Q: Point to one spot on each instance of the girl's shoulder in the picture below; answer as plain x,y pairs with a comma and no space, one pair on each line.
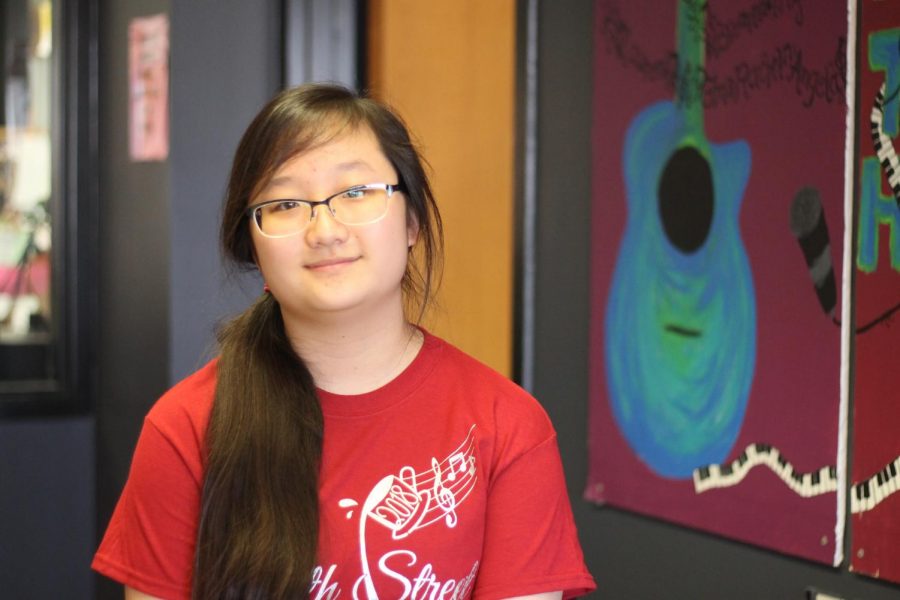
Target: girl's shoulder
476,372
512,408
186,406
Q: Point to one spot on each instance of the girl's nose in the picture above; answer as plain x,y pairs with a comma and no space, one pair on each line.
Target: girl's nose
324,228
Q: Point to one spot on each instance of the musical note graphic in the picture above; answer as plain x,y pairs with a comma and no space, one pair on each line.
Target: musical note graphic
410,500
415,500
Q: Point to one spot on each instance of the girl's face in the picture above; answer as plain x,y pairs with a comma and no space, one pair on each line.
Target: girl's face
330,267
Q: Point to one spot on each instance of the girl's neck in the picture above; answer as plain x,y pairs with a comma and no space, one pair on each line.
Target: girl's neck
354,356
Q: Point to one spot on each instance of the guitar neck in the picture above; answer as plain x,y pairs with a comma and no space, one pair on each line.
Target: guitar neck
691,42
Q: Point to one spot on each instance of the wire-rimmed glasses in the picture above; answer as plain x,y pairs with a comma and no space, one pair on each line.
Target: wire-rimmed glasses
358,205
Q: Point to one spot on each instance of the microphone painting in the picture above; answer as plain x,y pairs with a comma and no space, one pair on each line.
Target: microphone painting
808,226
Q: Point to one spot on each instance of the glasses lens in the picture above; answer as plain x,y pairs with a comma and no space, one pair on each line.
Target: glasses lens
360,205
282,218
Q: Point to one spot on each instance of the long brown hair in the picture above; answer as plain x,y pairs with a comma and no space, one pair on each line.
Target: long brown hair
259,514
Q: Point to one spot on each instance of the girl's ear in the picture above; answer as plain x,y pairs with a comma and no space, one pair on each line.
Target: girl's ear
412,229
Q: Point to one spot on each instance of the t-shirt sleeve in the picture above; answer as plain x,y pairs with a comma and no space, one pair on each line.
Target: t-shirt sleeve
531,544
149,544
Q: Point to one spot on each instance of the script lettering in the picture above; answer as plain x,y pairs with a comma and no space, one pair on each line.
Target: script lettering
322,588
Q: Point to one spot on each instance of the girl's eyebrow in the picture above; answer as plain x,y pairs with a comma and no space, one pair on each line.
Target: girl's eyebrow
350,165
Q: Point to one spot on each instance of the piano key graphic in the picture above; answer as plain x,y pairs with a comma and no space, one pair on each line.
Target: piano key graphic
884,146
814,483
868,494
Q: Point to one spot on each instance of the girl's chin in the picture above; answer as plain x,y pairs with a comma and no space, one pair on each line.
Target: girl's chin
327,306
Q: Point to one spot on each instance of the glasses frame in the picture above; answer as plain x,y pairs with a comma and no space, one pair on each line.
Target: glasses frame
254,214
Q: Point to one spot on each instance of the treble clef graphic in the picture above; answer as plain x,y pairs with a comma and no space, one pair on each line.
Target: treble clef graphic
442,495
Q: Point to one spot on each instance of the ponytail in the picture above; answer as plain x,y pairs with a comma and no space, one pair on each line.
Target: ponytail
259,516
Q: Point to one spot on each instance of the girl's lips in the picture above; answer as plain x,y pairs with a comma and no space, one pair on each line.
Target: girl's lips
330,263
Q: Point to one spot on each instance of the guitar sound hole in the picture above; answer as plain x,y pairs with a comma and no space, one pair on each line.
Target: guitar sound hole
686,199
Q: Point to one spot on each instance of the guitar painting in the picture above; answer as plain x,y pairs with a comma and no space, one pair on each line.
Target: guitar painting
716,362
680,321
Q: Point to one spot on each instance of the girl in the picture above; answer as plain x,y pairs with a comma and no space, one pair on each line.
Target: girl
334,449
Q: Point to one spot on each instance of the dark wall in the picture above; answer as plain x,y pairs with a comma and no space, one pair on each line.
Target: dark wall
226,64
161,284
631,557
133,273
46,508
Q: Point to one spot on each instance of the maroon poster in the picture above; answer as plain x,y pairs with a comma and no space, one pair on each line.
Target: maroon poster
875,507
717,227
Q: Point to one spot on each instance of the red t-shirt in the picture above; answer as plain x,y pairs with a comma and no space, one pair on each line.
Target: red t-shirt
445,483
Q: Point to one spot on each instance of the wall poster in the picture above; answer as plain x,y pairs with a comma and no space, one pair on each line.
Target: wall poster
148,78
718,196
874,503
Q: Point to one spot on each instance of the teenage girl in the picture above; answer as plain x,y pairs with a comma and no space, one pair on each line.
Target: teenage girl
335,449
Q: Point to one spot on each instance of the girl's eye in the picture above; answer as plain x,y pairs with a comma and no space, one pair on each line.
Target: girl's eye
355,194
285,205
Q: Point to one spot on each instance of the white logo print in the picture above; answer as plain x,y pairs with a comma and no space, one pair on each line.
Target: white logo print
404,503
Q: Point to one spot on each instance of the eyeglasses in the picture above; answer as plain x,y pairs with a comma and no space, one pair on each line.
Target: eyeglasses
359,205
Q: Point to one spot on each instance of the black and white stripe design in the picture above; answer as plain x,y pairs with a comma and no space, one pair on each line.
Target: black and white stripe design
864,496
867,494
821,481
884,146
